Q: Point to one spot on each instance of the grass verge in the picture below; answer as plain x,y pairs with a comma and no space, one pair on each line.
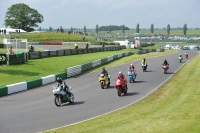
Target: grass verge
174,108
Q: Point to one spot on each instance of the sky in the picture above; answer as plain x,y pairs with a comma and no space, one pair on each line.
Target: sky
89,13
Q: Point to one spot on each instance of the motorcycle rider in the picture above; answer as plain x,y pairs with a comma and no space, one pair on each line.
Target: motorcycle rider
144,61
123,78
180,55
63,85
186,53
132,67
165,63
105,72
31,48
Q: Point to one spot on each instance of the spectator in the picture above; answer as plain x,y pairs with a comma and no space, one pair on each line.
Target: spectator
0,31
4,31
87,45
103,45
11,51
16,31
19,31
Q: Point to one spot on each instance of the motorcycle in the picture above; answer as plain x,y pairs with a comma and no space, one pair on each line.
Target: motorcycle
180,58
61,96
104,81
131,76
144,67
186,55
121,87
165,68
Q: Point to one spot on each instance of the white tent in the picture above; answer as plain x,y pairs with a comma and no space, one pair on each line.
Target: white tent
10,30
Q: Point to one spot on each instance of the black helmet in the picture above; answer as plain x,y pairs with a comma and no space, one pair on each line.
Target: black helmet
165,60
103,69
59,80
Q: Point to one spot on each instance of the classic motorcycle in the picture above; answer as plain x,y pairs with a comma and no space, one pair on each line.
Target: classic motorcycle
165,68
121,87
180,58
104,81
144,67
131,76
61,96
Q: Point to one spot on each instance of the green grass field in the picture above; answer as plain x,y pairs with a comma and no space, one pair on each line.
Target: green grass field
52,36
174,108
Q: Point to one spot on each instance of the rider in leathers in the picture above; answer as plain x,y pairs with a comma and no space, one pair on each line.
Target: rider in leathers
132,67
123,78
105,72
63,86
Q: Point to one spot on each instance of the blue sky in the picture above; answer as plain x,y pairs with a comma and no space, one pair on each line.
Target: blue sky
89,13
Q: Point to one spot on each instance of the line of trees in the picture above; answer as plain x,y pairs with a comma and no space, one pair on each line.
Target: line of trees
28,18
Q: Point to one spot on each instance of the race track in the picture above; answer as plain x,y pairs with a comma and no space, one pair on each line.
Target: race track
35,111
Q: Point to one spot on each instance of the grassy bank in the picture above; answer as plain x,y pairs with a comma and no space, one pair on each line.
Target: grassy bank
47,66
172,109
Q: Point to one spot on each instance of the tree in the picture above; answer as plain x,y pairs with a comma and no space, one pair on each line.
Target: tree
50,29
84,29
152,28
110,29
123,29
168,29
185,29
137,28
97,29
21,16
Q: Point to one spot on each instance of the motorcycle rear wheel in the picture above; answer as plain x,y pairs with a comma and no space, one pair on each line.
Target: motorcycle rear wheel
57,101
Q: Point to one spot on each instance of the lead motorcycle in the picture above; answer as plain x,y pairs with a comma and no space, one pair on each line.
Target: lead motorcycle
144,67
61,96
104,80
121,87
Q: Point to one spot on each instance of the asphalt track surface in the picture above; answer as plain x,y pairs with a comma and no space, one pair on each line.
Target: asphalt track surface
35,111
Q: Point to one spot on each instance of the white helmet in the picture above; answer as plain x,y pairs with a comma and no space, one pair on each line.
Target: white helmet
120,73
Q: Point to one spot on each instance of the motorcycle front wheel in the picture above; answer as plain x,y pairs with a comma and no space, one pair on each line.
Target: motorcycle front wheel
102,85
57,101
119,92
72,98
